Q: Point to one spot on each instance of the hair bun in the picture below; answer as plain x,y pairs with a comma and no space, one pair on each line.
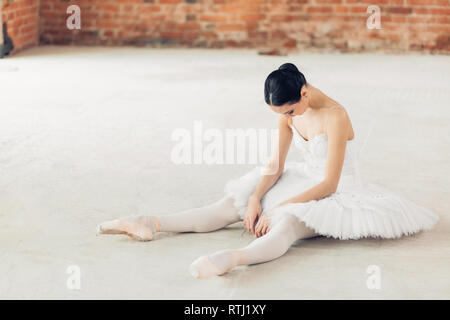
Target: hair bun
289,67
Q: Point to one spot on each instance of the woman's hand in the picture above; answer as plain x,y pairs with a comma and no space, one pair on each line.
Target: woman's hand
263,225
252,214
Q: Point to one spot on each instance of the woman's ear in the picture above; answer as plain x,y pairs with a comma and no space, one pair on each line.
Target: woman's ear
304,92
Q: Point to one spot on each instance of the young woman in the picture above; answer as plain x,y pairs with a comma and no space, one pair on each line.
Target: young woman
321,196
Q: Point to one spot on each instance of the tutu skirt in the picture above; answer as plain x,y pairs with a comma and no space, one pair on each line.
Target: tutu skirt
354,211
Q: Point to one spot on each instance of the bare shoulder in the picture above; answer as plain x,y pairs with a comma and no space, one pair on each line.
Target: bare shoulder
336,109
337,113
337,116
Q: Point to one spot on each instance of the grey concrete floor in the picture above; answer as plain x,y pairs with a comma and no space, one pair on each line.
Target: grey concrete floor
85,136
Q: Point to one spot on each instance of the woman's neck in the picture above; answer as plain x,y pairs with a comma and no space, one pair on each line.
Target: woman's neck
317,99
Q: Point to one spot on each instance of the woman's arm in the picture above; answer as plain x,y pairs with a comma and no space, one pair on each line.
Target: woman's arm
337,127
276,166
319,191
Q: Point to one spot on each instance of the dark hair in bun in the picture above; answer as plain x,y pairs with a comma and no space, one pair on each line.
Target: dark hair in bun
283,85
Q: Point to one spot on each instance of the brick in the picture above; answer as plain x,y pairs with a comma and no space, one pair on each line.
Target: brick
213,18
107,8
438,28
419,2
329,1
443,19
252,17
396,2
378,2
231,27
323,9
278,34
398,19
238,8
421,19
189,26
108,33
281,18
291,43
152,8
341,9
29,29
358,9
170,1
420,10
443,11
172,34
399,10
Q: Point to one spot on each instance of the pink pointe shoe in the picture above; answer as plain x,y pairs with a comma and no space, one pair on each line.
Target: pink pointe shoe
203,268
133,227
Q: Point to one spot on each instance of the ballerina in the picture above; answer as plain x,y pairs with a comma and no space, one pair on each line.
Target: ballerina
321,196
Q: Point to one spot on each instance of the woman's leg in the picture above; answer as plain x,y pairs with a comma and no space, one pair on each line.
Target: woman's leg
202,219
268,247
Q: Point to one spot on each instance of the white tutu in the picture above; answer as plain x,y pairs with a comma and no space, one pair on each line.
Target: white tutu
354,211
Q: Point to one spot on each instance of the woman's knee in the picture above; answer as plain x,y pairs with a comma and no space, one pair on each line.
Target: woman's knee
217,215
298,229
227,205
288,222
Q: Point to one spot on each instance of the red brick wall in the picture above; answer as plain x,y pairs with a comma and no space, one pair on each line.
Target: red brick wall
407,25
335,24
22,20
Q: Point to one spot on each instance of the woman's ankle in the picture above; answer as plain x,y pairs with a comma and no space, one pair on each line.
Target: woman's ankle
240,257
151,221
157,222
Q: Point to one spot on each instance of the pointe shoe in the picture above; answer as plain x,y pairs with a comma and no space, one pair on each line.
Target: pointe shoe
108,228
203,268
134,230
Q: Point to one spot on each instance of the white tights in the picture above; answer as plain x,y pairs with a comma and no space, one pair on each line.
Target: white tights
210,218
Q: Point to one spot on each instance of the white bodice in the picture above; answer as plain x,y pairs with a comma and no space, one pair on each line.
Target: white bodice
315,154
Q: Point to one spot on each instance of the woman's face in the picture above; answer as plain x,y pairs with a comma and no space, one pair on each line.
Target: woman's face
292,110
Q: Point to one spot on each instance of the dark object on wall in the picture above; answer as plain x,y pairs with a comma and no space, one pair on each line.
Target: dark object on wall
7,46
272,52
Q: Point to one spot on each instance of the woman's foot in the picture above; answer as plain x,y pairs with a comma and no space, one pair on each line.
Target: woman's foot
216,264
140,228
